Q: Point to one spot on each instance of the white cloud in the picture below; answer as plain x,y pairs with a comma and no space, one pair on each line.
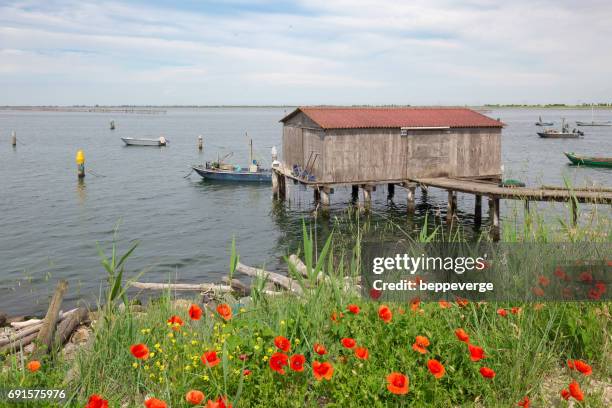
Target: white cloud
375,51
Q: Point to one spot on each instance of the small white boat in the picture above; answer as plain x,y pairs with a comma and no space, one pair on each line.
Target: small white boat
130,141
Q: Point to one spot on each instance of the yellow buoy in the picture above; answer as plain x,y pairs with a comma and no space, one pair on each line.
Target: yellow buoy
80,161
80,157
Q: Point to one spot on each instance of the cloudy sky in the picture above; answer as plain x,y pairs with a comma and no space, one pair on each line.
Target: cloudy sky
304,52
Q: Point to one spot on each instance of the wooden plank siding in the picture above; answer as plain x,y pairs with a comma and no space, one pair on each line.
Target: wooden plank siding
377,155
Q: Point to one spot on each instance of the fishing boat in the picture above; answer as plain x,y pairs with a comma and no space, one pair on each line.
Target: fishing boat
220,171
589,161
593,122
540,123
130,141
564,133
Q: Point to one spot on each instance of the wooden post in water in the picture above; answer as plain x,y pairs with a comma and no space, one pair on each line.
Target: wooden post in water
282,187
275,184
367,197
80,161
411,199
13,138
390,191
200,143
477,209
451,206
325,201
495,218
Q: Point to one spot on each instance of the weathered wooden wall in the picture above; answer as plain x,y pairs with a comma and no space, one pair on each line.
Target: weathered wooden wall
380,155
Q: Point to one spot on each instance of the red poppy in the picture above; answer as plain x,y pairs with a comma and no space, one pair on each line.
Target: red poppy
195,312
502,312
594,294
565,394
96,401
525,402
397,383
583,367
414,304
155,403
348,342
560,273
600,287
225,311
575,391
336,316
544,281
420,344
585,277
278,361
487,372
444,304
221,402
210,358
194,397
362,353
476,353
246,372
385,313
570,364
322,370
296,362
354,309
462,335
140,351
461,302
320,349
33,366
176,322
515,310
282,343
538,291
436,368
375,293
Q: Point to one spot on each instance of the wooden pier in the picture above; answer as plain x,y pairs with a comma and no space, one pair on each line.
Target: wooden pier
454,149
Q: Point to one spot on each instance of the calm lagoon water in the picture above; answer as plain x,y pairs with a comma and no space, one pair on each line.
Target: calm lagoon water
50,224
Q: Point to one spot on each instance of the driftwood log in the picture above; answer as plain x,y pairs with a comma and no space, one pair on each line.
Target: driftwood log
69,324
25,336
284,281
187,287
303,269
45,335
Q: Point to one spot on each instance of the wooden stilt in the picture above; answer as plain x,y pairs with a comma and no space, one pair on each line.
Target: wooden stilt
275,183
526,203
325,201
390,191
574,212
495,218
282,188
367,198
411,199
451,207
477,209
317,195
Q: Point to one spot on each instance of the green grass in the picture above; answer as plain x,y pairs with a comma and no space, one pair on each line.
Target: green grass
524,349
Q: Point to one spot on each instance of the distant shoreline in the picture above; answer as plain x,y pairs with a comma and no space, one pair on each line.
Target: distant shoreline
161,109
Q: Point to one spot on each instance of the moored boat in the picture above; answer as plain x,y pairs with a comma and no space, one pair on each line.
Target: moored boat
540,123
564,133
593,122
589,161
210,171
130,141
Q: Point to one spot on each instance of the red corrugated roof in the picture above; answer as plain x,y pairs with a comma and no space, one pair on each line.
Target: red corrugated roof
349,117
